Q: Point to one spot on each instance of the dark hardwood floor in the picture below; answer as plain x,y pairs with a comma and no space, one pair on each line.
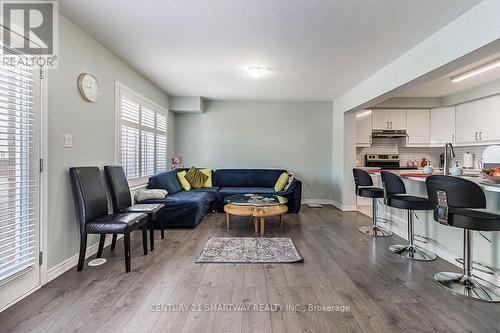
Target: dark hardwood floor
385,293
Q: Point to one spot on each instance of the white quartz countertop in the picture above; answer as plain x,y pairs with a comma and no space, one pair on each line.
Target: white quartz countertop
472,176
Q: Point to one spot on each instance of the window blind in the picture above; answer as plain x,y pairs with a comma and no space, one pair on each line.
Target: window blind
19,170
143,137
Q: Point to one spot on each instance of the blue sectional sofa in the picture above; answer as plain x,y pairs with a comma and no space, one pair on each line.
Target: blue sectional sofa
187,208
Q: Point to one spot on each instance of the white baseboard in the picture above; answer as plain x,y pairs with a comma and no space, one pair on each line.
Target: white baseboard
72,261
345,208
443,254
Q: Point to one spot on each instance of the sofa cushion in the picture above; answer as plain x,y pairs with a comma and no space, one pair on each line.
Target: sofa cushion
184,182
210,190
246,177
227,191
196,178
281,182
167,181
208,173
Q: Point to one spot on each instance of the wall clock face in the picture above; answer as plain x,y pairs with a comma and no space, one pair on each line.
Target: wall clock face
89,87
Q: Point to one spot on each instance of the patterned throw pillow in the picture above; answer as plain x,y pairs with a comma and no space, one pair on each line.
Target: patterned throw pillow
196,178
143,195
289,183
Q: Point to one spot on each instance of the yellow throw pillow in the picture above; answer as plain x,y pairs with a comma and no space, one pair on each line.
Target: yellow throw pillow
281,182
208,173
182,179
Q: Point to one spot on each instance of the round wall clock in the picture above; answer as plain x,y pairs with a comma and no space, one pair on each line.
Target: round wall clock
89,87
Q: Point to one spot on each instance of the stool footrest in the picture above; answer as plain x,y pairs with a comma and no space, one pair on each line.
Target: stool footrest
412,252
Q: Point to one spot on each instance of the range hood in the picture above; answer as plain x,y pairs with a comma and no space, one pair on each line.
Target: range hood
389,134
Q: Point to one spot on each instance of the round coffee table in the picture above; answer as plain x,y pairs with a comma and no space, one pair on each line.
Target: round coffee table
256,206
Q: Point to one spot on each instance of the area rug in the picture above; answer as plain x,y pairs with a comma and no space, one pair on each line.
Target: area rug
249,250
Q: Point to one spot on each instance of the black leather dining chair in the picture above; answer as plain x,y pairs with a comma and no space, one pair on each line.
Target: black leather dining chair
92,205
364,188
461,203
122,202
395,196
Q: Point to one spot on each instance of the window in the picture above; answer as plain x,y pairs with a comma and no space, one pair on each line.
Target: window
19,170
142,135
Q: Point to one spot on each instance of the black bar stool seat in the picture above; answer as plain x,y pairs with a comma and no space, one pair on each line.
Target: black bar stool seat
395,196
461,203
472,219
370,192
410,202
365,188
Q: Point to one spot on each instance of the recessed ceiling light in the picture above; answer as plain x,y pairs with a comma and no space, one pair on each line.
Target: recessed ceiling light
255,71
476,71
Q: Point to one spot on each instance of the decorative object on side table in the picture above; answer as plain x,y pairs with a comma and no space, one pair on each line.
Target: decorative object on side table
177,162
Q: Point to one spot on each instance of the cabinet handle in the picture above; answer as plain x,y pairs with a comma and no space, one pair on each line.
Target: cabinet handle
476,136
480,136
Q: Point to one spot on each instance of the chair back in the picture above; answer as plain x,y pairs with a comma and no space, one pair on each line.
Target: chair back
460,193
90,194
392,184
118,187
361,178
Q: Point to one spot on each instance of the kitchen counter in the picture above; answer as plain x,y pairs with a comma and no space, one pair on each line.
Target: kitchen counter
443,240
472,176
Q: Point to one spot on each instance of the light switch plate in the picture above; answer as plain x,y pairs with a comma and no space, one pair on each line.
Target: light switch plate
68,140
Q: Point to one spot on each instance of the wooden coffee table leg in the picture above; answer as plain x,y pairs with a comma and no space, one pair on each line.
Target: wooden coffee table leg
281,220
256,223
227,220
262,223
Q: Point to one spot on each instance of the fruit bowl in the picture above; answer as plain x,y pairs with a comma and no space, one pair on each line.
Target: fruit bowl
492,175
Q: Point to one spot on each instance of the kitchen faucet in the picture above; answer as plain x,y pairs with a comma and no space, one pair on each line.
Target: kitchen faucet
449,153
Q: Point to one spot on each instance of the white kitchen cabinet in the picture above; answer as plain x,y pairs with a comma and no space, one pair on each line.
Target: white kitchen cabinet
364,128
380,119
477,121
490,129
397,119
387,119
418,127
442,125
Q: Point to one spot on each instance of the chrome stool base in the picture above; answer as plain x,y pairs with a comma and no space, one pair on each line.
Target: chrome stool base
412,252
375,231
471,287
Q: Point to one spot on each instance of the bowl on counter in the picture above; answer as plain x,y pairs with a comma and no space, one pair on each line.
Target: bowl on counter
492,175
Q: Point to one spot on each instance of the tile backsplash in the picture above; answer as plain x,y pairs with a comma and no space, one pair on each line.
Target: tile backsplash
398,146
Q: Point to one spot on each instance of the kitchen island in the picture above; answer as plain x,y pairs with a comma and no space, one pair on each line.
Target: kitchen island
446,242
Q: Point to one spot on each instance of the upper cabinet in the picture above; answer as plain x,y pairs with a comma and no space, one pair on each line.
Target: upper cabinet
389,119
418,127
477,121
442,125
364,128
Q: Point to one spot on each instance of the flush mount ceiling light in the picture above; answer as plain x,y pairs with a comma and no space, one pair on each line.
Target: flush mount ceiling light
476,71
255,71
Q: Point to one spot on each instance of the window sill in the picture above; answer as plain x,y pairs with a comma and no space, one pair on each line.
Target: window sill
138,183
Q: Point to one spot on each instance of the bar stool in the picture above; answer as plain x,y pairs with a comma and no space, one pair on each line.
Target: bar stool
395,196
365,188
461,204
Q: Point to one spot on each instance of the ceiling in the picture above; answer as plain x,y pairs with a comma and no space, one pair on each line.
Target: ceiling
313,49
443,86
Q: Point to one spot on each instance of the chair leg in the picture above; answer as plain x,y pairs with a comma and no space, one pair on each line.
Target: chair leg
465,284
411,251
102,239
83,249
126,245
374,230
145,239
152,234
113,242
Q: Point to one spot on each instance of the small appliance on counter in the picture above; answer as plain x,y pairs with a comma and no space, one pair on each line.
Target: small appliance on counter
468,161
386,161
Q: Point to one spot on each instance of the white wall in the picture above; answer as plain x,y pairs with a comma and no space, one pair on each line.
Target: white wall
92,126
291,135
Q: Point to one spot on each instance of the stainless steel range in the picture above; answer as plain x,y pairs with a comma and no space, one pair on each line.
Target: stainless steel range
384,161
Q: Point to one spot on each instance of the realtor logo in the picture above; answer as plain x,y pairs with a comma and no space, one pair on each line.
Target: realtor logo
29,31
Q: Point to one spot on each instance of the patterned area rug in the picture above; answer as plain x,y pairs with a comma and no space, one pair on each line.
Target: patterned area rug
249,250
